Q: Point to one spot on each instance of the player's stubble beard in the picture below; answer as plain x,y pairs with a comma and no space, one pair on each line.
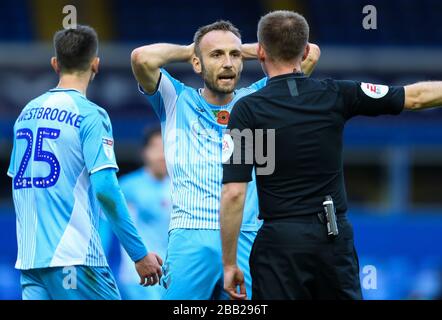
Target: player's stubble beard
210,80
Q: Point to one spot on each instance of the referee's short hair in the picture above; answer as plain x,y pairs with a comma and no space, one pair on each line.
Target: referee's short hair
283,35
220,25
75,48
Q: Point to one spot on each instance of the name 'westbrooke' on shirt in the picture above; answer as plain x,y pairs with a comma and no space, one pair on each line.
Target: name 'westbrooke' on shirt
53,114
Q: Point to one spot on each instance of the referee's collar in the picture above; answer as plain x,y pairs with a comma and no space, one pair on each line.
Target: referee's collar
287,75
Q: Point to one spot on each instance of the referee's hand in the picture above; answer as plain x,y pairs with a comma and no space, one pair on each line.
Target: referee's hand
149,269
234,277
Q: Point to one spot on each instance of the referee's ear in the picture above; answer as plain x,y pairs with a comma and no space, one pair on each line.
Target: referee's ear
306,51
261,53
95,64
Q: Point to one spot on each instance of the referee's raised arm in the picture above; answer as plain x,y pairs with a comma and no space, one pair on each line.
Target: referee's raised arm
423,95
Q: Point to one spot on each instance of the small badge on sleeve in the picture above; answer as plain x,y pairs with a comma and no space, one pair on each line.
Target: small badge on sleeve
108,147
375,91
228,147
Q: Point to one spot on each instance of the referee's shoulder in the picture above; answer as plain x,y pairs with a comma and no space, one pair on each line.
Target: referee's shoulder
328,84
245,104
322,84
253,96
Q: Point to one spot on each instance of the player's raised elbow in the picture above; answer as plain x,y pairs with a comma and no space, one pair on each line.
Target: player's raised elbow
138,57
145,66
142,57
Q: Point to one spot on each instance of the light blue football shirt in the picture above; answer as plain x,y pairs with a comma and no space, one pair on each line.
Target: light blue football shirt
60,138
193,131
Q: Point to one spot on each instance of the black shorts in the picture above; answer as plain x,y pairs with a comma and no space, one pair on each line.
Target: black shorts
293,258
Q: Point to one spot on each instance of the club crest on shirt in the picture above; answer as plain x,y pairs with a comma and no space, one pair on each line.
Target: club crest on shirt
108,147
375,91
201,128
198,128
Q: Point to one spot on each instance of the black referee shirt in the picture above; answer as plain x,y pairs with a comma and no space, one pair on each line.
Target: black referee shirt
308,116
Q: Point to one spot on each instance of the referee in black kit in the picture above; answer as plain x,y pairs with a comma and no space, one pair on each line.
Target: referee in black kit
304,249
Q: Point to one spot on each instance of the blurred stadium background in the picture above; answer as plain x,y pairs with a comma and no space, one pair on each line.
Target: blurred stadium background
393,165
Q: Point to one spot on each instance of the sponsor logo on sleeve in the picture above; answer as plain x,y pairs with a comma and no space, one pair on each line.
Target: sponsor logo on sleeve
375,91
108,147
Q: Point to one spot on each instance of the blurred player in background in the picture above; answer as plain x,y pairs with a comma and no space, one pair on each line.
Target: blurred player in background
147,192
193,122
63,169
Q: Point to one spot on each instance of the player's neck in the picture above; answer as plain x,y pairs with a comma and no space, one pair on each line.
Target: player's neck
216,98
74,81
276,69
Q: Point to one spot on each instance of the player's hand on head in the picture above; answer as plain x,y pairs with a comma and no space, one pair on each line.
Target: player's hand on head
249,51
149,269
234,277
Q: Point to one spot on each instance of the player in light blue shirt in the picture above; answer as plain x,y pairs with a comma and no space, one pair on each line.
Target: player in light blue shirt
193,123
63,173
147,192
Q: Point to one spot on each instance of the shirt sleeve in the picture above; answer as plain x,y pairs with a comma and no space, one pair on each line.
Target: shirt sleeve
238,159
368,99
258,84
163,100
97,142
112,201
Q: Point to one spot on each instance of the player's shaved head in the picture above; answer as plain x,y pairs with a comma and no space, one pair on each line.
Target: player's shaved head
283,35
220,25
75,48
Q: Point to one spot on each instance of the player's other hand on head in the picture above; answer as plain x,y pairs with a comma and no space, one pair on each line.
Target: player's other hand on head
314,53
149,269
234,277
